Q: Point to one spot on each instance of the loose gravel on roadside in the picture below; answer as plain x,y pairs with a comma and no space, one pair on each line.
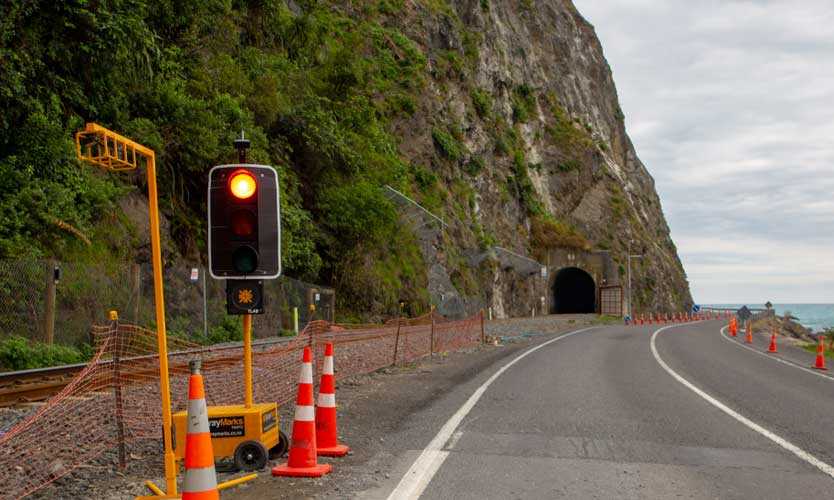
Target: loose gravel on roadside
372,407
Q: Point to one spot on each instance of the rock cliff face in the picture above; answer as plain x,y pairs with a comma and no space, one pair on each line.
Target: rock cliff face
520,122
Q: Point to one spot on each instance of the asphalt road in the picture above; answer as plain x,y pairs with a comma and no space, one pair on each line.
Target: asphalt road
596,415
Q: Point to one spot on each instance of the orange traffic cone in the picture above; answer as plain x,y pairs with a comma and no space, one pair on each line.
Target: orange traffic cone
749,337
327,441
200,480
732,328
772,347
820,362
302,457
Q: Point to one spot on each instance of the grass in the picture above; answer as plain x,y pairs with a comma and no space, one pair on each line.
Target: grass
812,348
607,319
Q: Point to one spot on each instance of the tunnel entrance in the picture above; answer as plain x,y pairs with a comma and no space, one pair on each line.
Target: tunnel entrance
574,292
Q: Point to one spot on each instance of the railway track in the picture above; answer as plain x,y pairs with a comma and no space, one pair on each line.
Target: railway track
39,384
29,386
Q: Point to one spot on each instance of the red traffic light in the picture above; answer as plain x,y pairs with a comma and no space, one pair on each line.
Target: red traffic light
242,184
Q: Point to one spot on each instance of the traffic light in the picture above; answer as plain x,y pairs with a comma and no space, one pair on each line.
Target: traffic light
244,222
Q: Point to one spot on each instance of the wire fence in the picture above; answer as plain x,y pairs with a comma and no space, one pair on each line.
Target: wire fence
43,300
112,407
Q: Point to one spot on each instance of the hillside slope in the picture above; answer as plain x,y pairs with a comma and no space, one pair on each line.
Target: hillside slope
499,117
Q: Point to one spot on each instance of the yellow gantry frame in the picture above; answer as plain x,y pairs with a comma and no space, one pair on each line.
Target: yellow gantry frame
105,148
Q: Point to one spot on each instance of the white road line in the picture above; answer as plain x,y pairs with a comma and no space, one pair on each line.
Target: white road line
418,476
784,443
818,373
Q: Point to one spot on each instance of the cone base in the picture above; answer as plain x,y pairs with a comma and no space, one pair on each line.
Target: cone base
314,471
339,450
818,367
772,352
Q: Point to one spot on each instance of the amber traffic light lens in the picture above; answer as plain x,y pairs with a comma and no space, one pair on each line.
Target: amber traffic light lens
242,185
243,223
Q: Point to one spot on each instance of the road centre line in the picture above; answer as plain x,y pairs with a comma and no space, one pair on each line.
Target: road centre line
784,443
774,358
421,472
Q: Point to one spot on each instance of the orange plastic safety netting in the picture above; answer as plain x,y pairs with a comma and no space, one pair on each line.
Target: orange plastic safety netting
114,402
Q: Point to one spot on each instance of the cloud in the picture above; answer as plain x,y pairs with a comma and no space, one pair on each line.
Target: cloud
729,104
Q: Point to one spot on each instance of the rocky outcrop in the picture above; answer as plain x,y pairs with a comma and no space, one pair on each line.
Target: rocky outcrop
521,123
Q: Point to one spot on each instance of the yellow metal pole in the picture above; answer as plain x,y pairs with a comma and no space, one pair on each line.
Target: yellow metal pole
161,335
247,360
236,481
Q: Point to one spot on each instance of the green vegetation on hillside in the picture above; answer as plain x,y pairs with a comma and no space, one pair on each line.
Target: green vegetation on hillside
313,89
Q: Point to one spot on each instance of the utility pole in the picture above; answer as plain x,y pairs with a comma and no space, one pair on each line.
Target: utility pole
628,265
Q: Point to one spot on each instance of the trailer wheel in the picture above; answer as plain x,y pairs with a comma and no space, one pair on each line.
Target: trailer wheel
279,449
250,456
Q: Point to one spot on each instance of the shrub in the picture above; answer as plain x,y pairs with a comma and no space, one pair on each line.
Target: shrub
230,330
547,232
523,102
355,212
526,192
448,145
568,166
18,353
482,101
474,166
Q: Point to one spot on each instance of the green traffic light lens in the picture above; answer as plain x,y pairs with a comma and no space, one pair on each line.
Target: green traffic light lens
245,260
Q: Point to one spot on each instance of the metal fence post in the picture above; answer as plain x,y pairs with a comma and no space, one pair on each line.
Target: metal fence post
49,312
295,320
399,324
310,318
116,340
431,342
205,303
483,331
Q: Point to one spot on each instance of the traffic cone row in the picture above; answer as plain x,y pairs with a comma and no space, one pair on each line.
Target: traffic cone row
668,318
314,429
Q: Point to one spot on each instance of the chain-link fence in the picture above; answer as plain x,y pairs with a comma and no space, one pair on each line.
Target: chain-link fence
57,302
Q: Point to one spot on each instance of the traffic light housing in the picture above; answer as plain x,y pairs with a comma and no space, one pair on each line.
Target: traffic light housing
244,222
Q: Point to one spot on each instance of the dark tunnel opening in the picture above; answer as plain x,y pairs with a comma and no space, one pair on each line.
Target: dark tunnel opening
574,292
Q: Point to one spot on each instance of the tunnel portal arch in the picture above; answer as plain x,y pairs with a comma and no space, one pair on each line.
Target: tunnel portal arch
574,292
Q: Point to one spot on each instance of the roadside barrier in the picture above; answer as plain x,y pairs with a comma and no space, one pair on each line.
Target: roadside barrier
327,436
200,479
302,461
112,405
819,364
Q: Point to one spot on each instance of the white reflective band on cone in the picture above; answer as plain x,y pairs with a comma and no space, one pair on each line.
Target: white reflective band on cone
197,480
305,413
327,400
327,369
197,416
306,373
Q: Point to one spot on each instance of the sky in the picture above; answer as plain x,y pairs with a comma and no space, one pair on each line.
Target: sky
730,105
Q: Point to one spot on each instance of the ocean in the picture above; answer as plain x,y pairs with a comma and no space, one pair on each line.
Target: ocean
817,317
